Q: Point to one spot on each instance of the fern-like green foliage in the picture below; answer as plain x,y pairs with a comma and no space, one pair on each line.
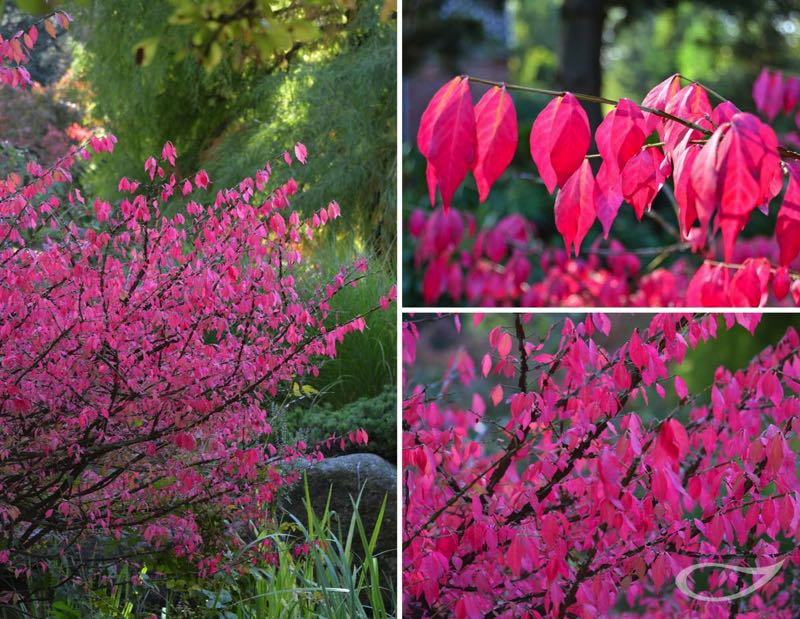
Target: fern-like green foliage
339,100
376,415
364,362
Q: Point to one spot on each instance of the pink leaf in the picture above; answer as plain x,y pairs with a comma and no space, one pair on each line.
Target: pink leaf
781,283
504,345
734,173
609,196
621,135
496,394
680,388
642,179
575,209
787,228
300,152
672,442
486,365
657,99
750,284
775,453
496,121
453,142
560,140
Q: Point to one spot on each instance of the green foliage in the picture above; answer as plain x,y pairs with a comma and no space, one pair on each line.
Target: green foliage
722,44
254,29
342,107
377,415
365,362
171,98
339,100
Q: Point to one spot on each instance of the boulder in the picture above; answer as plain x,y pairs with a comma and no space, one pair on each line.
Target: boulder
347,475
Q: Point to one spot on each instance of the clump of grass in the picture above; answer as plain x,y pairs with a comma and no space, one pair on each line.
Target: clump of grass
328,581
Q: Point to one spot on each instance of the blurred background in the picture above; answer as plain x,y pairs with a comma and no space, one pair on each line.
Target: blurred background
233,85
440,343
615,48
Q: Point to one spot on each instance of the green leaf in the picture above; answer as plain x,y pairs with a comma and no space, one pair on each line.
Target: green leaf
163,483
62,610
213,57
279,37
304,31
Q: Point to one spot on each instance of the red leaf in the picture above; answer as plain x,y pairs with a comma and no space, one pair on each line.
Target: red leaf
435,281
680,388
723,113
504,345
609,196
453,142
683,157
750,284
575,207
432,112
551,532
673,441
425,131
775,453
33,35
780,283
486,365
560,140
791,94
601,323
768,93
642,178
430,178
657,99
734,173
515,554
716,530
496,394
787,228
689,103
760,87
708,287
496,121
621,134
658,571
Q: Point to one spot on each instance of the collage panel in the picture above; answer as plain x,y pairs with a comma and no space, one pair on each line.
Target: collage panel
198,317
600,465
573,153
302,319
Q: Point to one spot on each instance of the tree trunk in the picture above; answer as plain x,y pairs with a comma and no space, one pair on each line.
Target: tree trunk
581,43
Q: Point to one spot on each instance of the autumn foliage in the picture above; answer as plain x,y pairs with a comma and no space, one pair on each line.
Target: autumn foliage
721,165
551,494
143,340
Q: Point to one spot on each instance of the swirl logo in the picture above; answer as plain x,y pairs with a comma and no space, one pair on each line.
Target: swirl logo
767,573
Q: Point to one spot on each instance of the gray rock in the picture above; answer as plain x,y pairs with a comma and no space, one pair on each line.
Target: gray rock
347,475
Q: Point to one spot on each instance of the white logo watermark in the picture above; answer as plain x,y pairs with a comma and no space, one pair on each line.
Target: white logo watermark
767,573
